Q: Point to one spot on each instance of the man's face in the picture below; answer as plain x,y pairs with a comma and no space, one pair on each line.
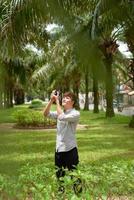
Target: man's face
67,102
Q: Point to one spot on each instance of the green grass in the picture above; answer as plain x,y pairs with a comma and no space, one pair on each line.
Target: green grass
20,147
105,142
87,117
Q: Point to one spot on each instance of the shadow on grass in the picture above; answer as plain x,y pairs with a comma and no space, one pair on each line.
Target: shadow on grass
114,158
17,150
12,167
107,143
34,147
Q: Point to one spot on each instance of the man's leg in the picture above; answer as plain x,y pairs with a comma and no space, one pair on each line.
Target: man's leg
72,160
60,172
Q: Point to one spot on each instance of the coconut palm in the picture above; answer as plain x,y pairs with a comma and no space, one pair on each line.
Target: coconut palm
59,67
102,29
35,14
108,16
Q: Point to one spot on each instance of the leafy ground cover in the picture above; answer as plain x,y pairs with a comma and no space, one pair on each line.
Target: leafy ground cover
106,150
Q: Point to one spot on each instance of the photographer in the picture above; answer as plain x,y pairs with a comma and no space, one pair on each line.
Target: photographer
66,154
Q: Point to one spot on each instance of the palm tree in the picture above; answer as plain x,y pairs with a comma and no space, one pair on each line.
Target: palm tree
32,14
119,15
58,66
13,72
102,29
13,38
37,14
108,48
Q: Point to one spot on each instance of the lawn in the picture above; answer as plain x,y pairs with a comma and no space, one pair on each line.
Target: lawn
106,150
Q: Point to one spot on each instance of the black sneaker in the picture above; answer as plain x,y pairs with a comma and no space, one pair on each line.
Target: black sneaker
61,189
77,186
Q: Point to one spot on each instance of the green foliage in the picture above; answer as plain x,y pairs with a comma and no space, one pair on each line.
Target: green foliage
39,182
32,118
131,123
36,103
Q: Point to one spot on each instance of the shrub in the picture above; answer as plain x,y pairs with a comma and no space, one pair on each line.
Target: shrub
36,103
108,181
32,118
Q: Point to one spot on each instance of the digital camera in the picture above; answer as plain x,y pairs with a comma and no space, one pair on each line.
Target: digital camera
56,92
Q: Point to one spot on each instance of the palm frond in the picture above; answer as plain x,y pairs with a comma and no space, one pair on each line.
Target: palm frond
109,15
42,72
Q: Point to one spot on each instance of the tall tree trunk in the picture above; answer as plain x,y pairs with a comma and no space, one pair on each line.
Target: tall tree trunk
76,84
133,83
1,88
5,98
11,97
8,95
109,88
76,92
8,98
109,48
86,106
19,95
1,101
96,95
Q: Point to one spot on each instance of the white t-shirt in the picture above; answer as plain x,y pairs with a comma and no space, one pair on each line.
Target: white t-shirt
66,128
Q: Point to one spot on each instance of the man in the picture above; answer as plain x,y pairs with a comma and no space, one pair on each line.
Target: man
66,155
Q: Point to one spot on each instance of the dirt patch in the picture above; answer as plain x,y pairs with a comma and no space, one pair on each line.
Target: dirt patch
35,127
82,127
7,126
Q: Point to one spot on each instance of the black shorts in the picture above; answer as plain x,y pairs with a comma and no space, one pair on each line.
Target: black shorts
67,159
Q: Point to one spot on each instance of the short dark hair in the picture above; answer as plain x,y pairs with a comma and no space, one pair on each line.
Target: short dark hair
72,96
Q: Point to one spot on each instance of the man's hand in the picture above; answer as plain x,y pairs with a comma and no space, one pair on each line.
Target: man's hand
55,96
48,106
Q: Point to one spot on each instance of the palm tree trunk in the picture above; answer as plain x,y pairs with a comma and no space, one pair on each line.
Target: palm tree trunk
11,97
19,96
133,83
96,95
86,106
8,95
5,98
76,92
1,103
109,88
8,98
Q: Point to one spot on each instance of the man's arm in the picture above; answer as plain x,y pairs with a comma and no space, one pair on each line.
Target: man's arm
47,108
59,109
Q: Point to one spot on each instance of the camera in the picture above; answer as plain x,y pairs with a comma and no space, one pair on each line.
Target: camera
56,92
